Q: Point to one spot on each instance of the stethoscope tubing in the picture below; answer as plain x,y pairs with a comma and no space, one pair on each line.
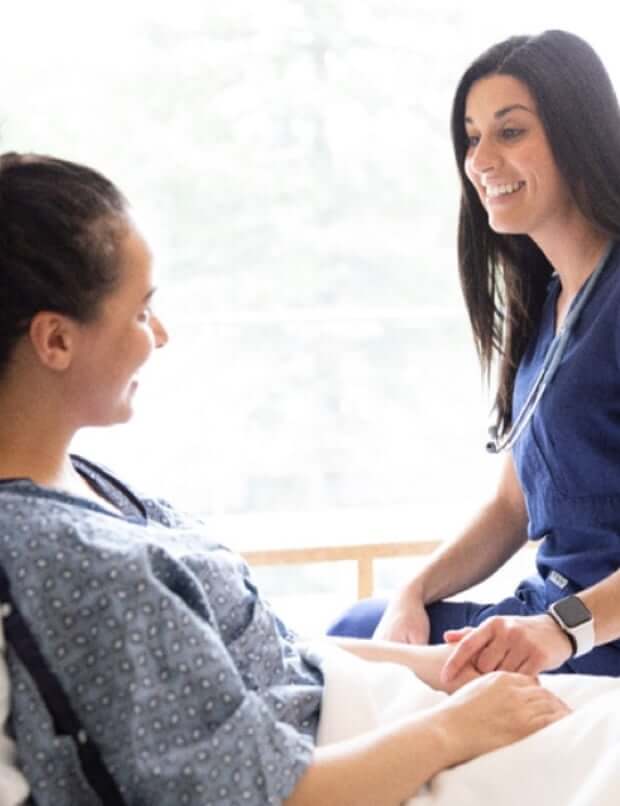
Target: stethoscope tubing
550,364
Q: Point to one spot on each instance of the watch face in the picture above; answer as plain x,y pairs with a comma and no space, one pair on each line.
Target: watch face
572,611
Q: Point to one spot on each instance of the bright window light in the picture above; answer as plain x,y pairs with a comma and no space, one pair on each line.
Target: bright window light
290,163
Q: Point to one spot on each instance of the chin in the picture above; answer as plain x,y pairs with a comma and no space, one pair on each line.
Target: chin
506,229
119,417
126,416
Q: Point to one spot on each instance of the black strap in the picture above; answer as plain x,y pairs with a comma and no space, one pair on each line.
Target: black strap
66,721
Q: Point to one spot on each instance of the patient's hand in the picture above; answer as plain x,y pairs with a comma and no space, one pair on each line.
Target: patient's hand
496,710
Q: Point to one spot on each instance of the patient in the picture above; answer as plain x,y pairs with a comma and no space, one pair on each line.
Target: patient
184,687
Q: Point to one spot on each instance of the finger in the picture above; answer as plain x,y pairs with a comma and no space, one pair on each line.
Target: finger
551,708
529,666
548,697
491,658
528,683
547,717
468,674
454,636
514,661
388,631
557,702
398,636
465,651
563,708
526,679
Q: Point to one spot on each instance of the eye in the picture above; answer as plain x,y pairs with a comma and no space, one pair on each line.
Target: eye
511,133
145,314
472,140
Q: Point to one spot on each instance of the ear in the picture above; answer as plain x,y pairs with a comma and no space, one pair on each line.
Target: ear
52,336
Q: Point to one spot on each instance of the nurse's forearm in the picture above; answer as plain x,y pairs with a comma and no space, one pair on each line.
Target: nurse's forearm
487,543
497,531
603,601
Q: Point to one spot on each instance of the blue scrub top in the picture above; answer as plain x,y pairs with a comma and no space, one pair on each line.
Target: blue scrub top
568,458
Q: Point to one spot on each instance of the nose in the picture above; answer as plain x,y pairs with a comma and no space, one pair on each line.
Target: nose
159,331
483,157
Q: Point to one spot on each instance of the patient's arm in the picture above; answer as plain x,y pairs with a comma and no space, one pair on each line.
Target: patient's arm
390,764
425,661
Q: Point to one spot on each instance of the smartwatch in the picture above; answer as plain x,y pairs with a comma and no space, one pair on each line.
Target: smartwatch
576,621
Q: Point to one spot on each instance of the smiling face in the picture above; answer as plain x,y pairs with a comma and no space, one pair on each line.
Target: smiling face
110,350
509,161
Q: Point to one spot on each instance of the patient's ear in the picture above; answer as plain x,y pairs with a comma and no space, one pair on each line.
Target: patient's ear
52,336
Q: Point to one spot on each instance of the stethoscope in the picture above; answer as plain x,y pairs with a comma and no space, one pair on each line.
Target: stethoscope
551,362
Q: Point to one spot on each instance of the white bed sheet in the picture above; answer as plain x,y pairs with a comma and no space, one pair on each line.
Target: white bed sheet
574,762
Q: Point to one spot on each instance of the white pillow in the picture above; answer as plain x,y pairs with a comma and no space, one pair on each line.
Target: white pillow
13,786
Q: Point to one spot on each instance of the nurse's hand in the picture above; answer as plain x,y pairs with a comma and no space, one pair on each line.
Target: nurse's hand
525,644
405,619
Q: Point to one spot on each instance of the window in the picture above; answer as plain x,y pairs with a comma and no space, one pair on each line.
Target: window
290,162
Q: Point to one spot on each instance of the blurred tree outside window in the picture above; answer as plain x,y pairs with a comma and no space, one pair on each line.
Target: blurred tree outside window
290,163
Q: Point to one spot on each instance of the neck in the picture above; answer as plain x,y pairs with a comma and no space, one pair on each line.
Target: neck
33,443
575,258
48,465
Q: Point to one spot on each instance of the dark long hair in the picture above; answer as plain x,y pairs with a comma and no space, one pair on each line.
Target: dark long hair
505,277
60,226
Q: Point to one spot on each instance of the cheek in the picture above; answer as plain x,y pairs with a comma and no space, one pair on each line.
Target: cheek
548,184
148,343
468,170
536,164
136,348
556,181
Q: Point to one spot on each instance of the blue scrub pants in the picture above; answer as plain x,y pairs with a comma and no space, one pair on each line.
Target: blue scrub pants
361,620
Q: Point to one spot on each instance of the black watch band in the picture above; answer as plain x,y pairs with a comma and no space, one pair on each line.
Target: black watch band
573,641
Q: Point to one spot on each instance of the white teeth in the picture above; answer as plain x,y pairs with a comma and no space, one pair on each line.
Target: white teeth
503,190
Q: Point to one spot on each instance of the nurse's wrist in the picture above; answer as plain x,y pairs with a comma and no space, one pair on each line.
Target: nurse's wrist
415,591
567,640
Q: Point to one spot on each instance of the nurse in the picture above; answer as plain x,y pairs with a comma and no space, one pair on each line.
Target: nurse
536,135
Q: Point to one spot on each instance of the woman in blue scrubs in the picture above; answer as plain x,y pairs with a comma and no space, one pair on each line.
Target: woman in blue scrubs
536,134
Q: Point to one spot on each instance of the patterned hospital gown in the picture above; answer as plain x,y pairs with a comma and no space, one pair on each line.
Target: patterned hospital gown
192,689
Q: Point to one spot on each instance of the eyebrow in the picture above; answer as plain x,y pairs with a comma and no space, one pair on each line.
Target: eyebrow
506,110
149,296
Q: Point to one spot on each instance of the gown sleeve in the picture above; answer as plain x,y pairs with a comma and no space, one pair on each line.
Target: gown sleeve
188,702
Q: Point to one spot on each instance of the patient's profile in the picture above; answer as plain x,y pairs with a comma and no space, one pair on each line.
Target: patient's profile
144,665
